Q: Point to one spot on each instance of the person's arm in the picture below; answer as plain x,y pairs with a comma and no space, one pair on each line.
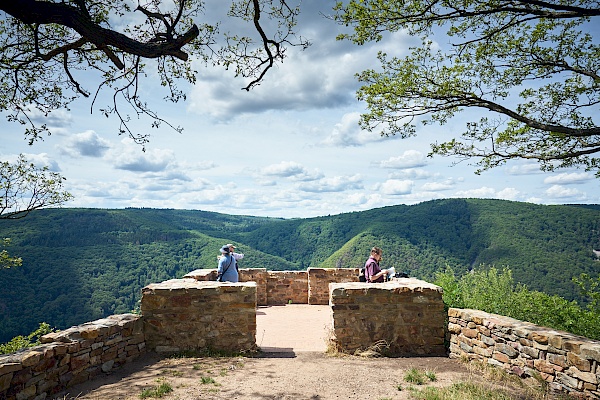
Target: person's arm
238,256
220,267
378,275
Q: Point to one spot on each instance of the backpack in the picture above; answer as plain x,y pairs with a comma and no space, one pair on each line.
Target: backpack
361,275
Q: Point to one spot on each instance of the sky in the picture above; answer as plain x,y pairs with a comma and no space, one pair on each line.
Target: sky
289,148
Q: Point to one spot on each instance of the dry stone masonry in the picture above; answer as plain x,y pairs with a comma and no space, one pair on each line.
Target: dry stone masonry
184,314
284,287
404,317
320,278
568,362
69,357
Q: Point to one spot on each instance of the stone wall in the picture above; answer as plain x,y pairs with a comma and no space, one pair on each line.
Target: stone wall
283,287
258,275
568,362
71,356
405,315
320,278
184,314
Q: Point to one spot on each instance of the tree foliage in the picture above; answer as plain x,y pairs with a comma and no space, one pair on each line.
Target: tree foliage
25,187
22,342
47,48
6,260
495,291
530,68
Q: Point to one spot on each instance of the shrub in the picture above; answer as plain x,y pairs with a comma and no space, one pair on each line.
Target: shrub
494,291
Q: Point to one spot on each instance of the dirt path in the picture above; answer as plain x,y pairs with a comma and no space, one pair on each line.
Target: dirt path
306,375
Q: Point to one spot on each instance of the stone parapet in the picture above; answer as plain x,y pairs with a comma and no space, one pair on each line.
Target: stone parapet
568,362
184,314
258,275
404,317
70,357
320,278
284,287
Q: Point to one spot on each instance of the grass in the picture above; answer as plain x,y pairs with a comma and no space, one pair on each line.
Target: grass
498,385
172,372
162,389
205,380
419,377
462,391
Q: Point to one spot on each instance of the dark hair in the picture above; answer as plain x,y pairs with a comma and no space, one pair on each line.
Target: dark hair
376,250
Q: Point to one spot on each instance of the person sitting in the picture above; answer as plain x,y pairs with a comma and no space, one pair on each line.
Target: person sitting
373,273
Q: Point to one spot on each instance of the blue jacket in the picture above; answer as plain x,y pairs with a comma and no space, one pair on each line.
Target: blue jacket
227,269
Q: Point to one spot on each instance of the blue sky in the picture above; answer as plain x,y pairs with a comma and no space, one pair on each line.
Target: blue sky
289,148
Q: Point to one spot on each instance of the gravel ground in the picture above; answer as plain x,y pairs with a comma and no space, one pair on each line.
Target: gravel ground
305,375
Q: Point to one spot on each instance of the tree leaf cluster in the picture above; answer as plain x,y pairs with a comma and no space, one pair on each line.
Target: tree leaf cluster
83,264
528,71
496,291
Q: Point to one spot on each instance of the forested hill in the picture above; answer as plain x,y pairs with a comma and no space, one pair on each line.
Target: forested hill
84,264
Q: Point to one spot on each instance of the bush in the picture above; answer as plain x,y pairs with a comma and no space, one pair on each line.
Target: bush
21,342
493,291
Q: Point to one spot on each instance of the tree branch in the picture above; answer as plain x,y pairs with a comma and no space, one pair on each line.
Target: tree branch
41,12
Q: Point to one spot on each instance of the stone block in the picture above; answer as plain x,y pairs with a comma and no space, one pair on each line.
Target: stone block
580,363
590,351
5,380
569,381
584,376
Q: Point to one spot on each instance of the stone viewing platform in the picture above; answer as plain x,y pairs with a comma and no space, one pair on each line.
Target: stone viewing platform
403,317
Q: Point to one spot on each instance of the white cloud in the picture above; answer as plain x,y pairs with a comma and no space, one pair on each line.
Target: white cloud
508,194
319,77
40,160
414,174
561,192
482,192
335,184
394,187
438,186
86,144
130,157
55,119
569,178
292,170
347,133
524,169
408,159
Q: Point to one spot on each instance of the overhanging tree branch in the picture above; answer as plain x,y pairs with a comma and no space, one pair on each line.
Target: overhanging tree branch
43,44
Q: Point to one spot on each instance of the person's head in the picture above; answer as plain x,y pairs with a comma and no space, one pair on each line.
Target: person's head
376,253
231,247
225,250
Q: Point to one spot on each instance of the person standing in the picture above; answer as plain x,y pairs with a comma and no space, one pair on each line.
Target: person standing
227,271
373,273
236,256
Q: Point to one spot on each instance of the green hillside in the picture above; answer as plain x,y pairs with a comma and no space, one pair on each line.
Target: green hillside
84,264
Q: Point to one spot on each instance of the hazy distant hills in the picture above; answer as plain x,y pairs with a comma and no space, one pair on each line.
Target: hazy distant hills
84,264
